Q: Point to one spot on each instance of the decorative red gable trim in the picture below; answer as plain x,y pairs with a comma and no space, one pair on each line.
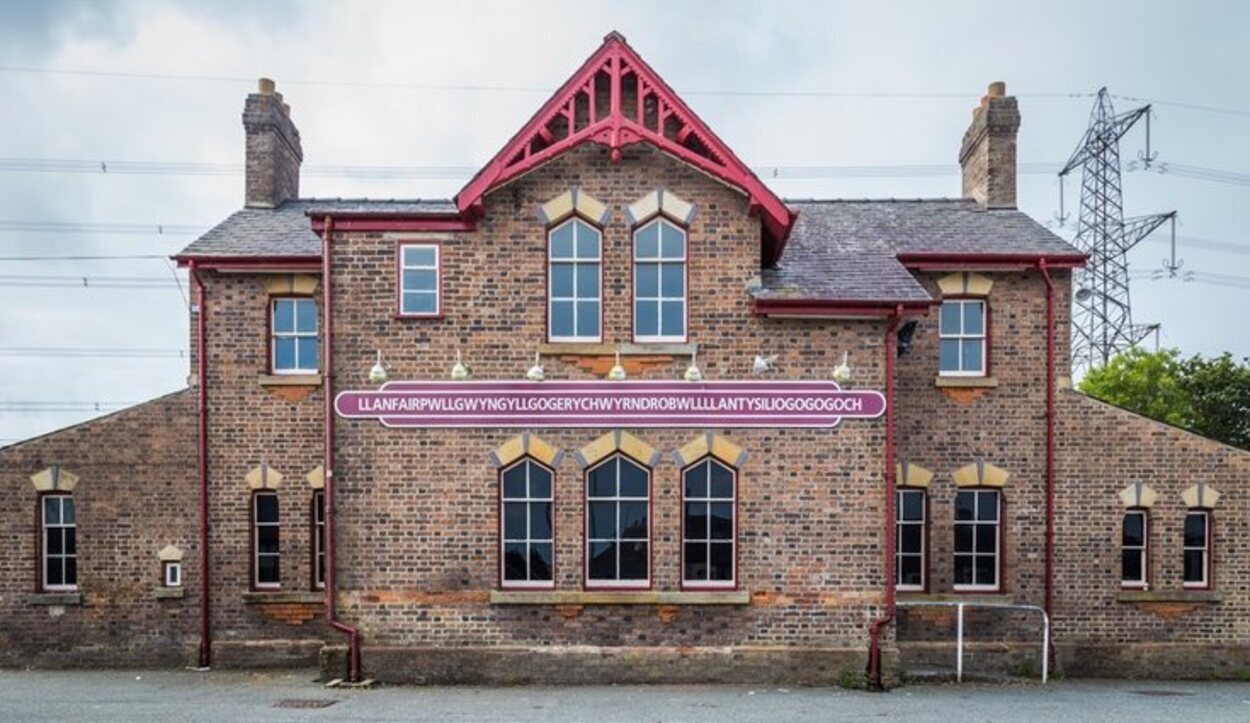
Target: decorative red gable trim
357,221
641,108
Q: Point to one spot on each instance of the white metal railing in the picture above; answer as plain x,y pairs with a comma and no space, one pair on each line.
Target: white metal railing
959,627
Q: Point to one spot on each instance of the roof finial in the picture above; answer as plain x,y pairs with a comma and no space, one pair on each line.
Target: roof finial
614,35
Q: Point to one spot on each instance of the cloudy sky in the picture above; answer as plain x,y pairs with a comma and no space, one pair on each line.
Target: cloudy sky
440,86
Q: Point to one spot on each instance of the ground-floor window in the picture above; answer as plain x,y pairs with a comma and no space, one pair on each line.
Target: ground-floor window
526,519
265,543
319,538
1134,540
1197,549
977,539
60,542
909,556
708,525
618,524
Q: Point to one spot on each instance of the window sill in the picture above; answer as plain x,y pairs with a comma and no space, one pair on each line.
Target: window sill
582,597
289,380
966,382
169,593
626,349
277,597
1168,596
54,598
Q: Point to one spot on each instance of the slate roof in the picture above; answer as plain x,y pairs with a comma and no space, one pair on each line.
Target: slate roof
847,250
287,230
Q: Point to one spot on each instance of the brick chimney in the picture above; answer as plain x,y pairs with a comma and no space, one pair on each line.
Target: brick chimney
274,153
988,154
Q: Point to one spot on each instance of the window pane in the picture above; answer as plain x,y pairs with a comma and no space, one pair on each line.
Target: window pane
587,281
963,538
305,315
54,542
964,502
587,241
602,561
67,510
421,280
52,510
673,242
267,540
70,537
633,524
1134,530
696,480
603,479
909,538
307,351
284,315
1130,565
54,571
633,561
540,521
647,241
721,565
514,561
912,508
540,561
722,520
696,520
1195,530
420,256
562,280
1194,571
696,561
972,356
987,506
963,570
562,318
284,352
266,508
602,520
540,482
987,539
722,481
633,479
673,280
647,282
514,521
71,571
986,571
420,303
267,568
514,481
588,318
974,318
909,570
948,320
948,355
647,318
562,242
673,321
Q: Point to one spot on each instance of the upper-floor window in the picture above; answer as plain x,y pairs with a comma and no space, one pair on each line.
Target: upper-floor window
977,539
618,524
660,282
265,543
709,525
1197,549
574,282
60,542
420,292
909,554
295,342
527,539
962,338
1134,543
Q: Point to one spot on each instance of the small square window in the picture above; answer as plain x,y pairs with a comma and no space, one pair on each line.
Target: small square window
420,282
173,574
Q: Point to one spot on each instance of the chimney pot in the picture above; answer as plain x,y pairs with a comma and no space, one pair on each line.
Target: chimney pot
265,86
998,89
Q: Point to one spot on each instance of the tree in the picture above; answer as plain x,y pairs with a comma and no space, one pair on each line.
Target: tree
1219,397
1148,383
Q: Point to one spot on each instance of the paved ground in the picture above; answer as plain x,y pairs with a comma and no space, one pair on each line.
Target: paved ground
186,696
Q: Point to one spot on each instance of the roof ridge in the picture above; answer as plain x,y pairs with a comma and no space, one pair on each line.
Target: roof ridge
934,199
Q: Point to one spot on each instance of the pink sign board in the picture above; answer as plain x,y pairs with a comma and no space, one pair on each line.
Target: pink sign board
564,404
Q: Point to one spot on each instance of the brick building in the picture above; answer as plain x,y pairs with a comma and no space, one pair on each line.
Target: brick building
251,520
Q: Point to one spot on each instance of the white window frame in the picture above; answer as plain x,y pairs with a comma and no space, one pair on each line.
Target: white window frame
974,554
172,573
437,268
961,337
660,262
617,500
707,500
256,553
1205,548
1143,549
319,539
274,334
577,262
899,523
45,557
528,500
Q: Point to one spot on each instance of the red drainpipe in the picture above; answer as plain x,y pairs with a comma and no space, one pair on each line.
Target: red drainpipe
201,334
874,633
1050,446
353,634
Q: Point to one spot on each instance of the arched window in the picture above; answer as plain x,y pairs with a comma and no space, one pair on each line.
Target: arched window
59,527
659,282
574,282
709,526
618,524
526,525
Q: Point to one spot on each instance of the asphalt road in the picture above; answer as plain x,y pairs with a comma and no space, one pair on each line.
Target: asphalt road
187,696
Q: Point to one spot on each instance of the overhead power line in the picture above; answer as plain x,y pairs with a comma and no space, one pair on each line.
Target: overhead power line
93,352
68,227
87,257
102,282
59,406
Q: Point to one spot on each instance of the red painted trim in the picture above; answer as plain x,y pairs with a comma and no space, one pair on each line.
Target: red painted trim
201,332
616,131
251,263
392,222
874,632
681,541
399,279
586,582
499,548
841,308
942,260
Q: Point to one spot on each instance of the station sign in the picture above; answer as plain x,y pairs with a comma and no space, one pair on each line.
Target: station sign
571,404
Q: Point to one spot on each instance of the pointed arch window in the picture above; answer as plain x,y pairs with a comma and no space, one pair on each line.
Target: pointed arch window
618,524
660,298
574,282
709,525
527,497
